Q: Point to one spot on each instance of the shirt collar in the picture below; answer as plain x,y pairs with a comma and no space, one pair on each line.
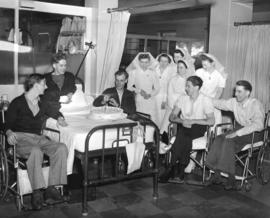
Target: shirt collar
245,103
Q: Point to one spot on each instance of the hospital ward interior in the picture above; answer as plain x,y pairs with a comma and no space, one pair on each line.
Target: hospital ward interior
134,108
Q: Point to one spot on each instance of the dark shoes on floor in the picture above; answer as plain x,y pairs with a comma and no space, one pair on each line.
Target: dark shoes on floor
52,196
214,180
37,200
231,186
176,180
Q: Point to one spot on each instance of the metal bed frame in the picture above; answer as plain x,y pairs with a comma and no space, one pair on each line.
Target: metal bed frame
127,130
151,155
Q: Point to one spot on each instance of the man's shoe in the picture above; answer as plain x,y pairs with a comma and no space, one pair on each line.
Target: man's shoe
52,195
214,180
37,200
231,186
176,180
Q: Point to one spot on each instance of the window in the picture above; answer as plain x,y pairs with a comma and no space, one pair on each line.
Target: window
6,46
140,43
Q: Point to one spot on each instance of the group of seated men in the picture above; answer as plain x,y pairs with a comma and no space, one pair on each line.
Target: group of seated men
197,112
193,112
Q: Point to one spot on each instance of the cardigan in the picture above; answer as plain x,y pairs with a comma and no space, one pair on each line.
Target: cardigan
19,117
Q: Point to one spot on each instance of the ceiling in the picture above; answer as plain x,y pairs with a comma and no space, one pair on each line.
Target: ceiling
259,5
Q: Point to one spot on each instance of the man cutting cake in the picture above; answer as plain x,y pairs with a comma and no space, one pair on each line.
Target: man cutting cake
118,96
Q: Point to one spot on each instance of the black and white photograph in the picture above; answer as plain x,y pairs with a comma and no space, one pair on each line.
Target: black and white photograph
135,108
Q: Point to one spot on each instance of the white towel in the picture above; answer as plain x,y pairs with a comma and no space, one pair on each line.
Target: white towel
135,150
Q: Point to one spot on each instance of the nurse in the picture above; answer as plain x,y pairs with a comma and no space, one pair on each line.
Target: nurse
145,83
213,76
214,80
176,88
165,72
183,54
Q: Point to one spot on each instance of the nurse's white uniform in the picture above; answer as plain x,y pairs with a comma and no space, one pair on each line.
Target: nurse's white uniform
176,88
161,97
211,82
148,81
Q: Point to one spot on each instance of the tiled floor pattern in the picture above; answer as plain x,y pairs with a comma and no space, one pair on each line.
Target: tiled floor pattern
134,199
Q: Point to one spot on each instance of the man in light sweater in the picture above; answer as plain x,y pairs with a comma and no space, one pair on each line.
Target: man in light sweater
249,116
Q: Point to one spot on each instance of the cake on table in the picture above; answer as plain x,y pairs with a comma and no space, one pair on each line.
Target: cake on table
107,113
80,103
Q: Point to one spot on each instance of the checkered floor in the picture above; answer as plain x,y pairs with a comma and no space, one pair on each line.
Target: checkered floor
134,199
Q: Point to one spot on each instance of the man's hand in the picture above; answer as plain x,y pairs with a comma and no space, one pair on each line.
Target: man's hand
187,123
163,105
61,121
69,95
106,99
173,117
113,102
147,96
11,137
144,94
230,136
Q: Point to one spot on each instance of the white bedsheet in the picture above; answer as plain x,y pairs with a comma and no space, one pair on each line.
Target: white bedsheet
75,133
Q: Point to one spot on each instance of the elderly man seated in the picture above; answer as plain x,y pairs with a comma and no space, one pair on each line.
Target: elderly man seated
196,113
25,117
118,96
249,116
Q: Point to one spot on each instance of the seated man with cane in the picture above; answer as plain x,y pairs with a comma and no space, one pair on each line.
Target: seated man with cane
196,113
25,117
249,116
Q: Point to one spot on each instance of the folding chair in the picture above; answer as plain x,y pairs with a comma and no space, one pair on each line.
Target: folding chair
243,158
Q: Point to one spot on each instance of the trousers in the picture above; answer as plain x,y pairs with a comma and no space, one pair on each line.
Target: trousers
33,147
222,152
183,142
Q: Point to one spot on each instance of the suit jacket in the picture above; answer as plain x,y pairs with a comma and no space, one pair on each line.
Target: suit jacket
128,100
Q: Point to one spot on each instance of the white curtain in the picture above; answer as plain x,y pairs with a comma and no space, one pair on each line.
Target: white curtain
114,49
250,60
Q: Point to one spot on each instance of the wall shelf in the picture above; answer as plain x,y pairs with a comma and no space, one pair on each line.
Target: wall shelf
71,33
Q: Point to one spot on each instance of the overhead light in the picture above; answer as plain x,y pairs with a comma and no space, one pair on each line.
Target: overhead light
10,46
27,4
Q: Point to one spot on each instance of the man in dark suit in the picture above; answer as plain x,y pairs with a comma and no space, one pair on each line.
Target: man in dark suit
118,96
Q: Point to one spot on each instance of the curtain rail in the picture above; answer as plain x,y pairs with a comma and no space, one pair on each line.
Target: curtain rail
110,10
251,23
